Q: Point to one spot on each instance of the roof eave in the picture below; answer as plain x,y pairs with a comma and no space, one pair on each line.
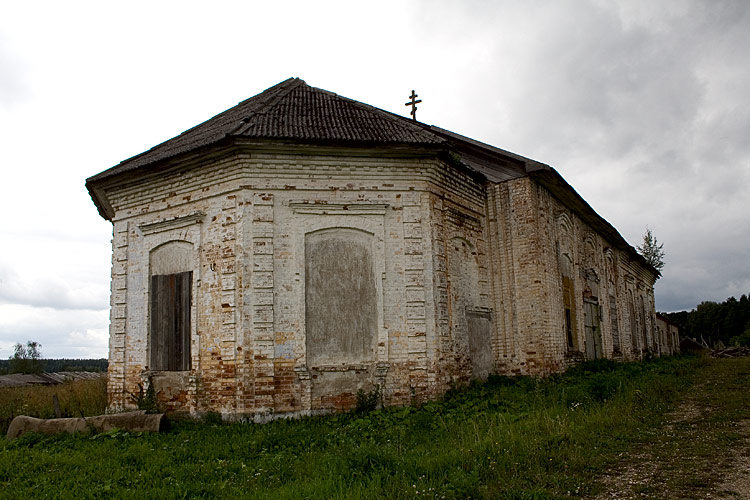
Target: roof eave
97,184
100,201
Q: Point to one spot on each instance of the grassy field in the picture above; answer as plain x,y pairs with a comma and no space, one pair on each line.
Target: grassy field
509,438
76,398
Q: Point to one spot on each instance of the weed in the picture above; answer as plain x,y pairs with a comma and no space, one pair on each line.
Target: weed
368,401
146,400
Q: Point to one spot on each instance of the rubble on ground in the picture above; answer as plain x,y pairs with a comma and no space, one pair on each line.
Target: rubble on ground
731,352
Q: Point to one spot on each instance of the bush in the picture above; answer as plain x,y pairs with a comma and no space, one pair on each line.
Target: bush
741,340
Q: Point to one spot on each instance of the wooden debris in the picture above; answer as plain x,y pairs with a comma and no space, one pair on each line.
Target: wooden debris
731,352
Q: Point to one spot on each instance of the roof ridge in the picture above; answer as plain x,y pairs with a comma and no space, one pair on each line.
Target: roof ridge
258,103
264,105
272,88
261,105
274,99
388,114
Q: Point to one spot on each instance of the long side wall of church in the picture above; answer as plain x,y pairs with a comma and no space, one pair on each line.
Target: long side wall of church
519,275
536,242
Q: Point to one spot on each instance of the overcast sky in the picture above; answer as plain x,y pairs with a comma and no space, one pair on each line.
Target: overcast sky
641,105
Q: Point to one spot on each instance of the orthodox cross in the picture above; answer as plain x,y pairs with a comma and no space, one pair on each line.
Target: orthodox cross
413,103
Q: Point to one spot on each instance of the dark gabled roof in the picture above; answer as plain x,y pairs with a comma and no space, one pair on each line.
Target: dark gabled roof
296,112
290,110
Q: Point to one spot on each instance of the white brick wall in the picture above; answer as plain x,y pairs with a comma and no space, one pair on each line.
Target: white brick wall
246,217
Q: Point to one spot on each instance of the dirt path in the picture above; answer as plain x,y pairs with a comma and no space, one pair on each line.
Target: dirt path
736,483
702,450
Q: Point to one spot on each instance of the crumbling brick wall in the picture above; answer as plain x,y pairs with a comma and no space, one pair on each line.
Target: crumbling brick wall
458,264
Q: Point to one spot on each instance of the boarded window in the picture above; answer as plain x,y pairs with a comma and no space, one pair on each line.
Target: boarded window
633,327
170,321
614,324
569,306
341,317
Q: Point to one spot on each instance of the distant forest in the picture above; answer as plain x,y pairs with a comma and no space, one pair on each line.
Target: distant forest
64,365
726,323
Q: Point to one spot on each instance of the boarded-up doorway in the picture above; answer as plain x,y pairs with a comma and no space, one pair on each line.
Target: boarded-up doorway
480,346
170,321
470,324
592,325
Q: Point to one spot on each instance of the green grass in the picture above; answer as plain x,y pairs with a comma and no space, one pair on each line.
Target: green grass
518,438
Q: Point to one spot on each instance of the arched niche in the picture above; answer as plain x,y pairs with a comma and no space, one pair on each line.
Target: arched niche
171,257
470,324
610,264
589,249
341,304
564,224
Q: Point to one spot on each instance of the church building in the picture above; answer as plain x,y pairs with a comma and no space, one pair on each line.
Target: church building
301,247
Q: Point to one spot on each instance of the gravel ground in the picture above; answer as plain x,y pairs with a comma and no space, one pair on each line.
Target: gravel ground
694,456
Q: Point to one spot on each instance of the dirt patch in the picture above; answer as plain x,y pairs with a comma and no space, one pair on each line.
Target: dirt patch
701,451
736,482
631,479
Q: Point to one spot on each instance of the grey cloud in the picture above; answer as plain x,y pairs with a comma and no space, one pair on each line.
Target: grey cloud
611,90
62,333
643,107
50,292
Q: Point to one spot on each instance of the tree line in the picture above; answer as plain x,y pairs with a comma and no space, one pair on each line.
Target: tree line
716,323
58,365
28,359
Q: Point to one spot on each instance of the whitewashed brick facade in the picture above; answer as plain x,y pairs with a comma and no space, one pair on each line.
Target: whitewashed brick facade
466,276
